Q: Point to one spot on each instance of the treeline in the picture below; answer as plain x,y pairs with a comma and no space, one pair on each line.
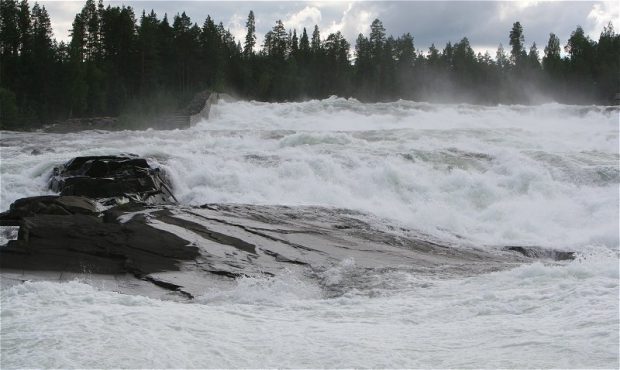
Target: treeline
117,62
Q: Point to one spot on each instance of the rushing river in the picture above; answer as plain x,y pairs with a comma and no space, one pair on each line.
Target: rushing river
481,177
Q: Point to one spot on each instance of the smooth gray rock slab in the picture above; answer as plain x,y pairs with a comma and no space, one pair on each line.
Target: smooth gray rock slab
177,252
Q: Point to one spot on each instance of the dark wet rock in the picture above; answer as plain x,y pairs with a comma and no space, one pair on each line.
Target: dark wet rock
37,150
169,249
183,251
47,205
79,243
110,177
67,235
542,253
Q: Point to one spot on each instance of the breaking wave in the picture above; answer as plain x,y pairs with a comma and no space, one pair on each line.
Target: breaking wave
520,175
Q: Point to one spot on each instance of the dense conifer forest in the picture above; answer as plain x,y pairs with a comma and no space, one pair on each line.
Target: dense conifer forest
119,62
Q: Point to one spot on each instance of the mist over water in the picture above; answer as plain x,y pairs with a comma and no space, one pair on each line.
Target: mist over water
545,175
471,176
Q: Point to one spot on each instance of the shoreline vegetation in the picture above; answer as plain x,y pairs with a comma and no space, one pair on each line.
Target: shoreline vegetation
135,67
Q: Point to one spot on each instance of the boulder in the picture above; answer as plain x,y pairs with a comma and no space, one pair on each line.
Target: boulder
47,205
108,177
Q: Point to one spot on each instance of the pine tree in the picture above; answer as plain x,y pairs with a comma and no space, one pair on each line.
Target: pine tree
579,46
277,41
149,48
533,57
501,58
24,24
115,63
552,59
315,44
9,63
43,54
294,44
304,44
10,43
607,66
405,51
377,37
9,30
250,37
433,55
92,21
78,89
183,44
517,51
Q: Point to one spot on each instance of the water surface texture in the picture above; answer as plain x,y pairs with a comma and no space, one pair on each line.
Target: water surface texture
471,176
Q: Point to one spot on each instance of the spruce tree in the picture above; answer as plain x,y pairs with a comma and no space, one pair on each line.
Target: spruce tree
517,51
250,37
315,45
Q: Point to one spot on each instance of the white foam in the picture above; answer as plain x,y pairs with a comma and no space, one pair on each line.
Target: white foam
545,175
8,233
531,316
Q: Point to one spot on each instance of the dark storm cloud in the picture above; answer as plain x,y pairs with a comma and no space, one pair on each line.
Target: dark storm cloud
486,24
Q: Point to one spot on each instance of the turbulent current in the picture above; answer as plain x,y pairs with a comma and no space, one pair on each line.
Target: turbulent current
471,176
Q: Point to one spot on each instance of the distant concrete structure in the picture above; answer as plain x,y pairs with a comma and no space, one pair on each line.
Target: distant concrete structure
203,114
197,110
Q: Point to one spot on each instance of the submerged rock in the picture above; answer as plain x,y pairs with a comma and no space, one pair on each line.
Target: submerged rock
542,253
86,123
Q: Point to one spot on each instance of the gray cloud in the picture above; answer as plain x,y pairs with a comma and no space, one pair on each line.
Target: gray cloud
485,23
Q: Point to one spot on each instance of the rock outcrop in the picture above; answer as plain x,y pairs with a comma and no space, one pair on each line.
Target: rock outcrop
115,224
61,233
112,177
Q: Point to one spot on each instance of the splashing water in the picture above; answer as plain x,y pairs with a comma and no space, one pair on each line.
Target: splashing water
488,176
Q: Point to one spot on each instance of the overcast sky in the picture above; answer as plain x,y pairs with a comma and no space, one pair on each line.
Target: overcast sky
485,23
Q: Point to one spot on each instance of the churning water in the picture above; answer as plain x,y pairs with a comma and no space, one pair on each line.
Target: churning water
478,176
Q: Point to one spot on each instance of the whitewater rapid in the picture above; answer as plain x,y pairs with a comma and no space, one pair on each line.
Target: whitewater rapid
472,176
545,175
